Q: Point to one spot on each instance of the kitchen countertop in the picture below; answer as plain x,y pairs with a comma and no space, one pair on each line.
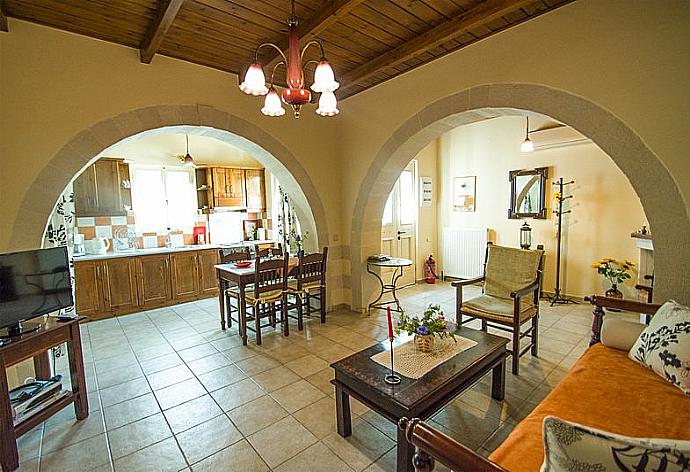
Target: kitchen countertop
165,250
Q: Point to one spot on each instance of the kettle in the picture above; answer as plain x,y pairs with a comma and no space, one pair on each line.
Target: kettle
97,246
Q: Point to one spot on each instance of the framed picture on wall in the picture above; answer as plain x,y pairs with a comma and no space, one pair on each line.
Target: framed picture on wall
464,193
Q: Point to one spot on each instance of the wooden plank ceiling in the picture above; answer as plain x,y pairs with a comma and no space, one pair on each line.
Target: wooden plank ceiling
366,41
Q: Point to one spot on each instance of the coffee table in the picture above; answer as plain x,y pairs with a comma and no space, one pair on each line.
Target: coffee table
359,377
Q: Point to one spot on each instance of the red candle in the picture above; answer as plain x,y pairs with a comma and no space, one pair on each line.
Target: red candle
390,323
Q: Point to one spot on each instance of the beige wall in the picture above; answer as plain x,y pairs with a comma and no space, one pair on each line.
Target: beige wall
628,57
605,208
427,233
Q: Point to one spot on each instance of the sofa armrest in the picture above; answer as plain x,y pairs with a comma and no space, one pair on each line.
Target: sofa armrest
462,283
433,445
620,334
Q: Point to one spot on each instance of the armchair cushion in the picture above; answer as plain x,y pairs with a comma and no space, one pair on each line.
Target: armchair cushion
509,269
497,309
664,345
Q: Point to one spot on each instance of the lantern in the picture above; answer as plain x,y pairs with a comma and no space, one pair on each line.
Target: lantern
525,236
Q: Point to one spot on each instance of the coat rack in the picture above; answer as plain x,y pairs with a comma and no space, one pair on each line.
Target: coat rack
557,298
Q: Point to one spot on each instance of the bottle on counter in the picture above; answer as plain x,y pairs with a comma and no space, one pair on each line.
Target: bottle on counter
168,238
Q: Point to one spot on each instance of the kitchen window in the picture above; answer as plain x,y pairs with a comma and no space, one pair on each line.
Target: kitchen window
163,198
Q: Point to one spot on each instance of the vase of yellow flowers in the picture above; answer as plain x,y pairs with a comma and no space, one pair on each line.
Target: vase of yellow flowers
615,272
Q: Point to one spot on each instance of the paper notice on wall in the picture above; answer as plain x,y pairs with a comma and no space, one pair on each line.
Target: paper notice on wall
427,192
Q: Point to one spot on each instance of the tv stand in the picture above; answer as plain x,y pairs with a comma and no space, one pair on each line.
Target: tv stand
36,344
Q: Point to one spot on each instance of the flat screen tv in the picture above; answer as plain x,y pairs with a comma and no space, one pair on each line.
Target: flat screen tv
33,283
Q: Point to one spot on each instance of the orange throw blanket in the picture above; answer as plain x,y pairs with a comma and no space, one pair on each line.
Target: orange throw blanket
604,390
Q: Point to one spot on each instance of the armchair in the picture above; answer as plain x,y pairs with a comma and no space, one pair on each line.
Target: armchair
512,284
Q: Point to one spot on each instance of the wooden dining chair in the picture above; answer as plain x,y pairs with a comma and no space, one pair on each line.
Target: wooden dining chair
309,283
228,256
268,294
270,252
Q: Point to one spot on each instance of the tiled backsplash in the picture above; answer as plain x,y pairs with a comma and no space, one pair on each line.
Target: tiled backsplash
107,226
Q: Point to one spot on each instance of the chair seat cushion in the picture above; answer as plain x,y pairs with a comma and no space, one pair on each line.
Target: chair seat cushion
496,309
235,291
264,297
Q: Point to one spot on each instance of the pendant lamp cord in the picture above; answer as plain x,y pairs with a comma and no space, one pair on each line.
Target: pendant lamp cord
187,136
527,128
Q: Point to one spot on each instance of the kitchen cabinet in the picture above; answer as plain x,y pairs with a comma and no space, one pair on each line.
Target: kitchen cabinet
119,284
228,187
88,289
208,280
255,185
103,189
154,284
185,276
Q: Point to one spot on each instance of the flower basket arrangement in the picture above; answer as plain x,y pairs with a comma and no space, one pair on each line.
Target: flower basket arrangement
424,329
616,272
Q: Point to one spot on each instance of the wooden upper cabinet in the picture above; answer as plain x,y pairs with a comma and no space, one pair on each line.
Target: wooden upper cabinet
120,284
228,187
208,281
87,276
255,189
153,277
100,189
185,276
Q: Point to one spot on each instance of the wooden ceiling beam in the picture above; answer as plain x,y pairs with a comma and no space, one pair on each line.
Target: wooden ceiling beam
3,18
310,28
461,24
167,11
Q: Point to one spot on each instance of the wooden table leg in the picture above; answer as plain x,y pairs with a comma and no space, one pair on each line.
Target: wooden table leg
405,451
221,301
498,381
9,456
343,416
42,366
242,313
76,369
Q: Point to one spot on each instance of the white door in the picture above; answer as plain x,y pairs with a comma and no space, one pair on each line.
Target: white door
399,223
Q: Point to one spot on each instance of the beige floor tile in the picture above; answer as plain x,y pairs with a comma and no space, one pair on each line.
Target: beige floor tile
333,353
197,352
179,393
241,455
297,395
469,425
284,354
64,430
281,441
257,415
237,394
154,352
240,353
134,436
119,375
168,377
209,363
276,378
29,465
164,456
319,417
257,364
84,455
322,380
29,445
388,428
307,365
192,413
364,447
221,377
208,438
158,364
124,391
130,410
316,457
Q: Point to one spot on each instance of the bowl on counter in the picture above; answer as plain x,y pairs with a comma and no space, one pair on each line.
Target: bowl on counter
243,264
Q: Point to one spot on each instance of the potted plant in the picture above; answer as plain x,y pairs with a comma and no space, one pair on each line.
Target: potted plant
424,330
616,272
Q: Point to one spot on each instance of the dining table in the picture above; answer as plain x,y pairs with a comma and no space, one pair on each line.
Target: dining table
241,277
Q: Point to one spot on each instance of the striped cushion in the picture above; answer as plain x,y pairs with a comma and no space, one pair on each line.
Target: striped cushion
265,297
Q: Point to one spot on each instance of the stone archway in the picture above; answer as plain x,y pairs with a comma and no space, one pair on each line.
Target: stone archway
658,192
40,198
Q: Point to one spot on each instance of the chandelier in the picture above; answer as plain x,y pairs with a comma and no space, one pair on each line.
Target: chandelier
295,94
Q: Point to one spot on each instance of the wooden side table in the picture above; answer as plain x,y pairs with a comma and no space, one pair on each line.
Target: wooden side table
36,344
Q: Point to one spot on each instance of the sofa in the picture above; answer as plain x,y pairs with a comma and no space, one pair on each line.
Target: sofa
604,390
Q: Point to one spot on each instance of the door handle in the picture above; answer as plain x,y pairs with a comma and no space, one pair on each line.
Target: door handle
402,232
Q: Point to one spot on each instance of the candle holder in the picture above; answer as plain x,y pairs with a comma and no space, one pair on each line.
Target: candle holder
392,378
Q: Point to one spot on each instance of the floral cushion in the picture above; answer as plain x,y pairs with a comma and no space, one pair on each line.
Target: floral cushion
664,345
577,448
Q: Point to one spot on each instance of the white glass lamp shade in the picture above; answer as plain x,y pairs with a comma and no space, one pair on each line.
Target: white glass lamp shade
328,105
272,106
254,82
324,79
527,145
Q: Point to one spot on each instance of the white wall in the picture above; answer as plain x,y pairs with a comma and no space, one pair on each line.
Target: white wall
605,208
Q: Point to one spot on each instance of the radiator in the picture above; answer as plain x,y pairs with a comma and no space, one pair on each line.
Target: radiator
463,253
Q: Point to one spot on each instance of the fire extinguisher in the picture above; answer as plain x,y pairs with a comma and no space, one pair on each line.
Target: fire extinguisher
430,270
